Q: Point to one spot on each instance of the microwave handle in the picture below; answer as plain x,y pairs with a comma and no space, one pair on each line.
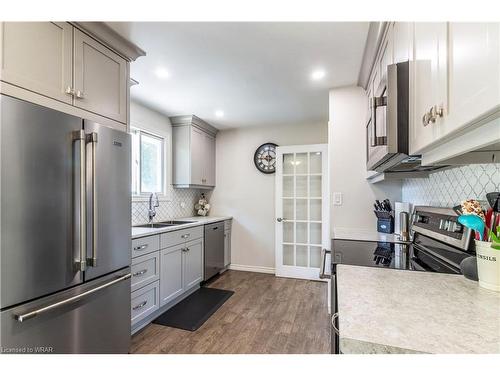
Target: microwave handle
375,102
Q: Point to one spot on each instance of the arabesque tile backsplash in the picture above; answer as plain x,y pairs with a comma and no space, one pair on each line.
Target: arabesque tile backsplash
169,209
450,187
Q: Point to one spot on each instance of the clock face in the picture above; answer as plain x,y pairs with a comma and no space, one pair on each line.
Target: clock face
265,158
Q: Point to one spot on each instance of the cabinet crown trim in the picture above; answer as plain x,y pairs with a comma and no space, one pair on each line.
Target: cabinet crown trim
194,121
109,37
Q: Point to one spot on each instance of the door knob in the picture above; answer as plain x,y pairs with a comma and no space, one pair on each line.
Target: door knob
280,219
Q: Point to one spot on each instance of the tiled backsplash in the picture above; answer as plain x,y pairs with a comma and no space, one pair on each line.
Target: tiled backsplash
450,187
168,209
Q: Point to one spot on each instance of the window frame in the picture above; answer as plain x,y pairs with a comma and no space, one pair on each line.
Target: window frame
137,193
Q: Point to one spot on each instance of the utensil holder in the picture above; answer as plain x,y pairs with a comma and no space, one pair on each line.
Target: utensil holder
488,265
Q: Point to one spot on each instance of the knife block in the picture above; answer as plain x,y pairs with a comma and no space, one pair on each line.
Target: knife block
385,225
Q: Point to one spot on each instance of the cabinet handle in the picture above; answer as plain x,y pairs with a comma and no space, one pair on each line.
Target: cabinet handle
69,91
79,94
142,247
335,316
435,112
139,273
185,249
426,119
140,305
185,235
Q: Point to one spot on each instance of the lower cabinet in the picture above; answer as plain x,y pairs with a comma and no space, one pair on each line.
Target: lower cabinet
181,268
144,302
171,284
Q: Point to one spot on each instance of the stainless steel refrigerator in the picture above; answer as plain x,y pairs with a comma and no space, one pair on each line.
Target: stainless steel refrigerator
65,233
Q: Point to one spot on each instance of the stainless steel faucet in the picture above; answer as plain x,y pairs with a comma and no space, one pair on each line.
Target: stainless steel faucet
152,207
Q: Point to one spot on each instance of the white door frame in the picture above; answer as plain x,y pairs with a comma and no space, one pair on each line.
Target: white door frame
309,273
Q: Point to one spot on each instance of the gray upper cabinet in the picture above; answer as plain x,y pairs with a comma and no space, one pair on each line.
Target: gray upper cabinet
100,77
37,56
193,152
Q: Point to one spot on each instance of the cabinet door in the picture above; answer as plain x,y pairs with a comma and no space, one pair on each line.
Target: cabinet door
474,73
227,248
100,77
171,273
193,264
386,53
209,174
402,41
429,71
197,156
37,56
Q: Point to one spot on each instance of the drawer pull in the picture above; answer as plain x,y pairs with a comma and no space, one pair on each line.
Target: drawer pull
142,247
139,273
185,235
215,228
185,249
140,305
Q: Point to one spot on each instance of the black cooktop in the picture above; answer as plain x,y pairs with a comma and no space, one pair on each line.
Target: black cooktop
430,256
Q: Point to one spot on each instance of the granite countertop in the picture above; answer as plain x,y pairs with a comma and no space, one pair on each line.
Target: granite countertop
396,311
364,235
196,221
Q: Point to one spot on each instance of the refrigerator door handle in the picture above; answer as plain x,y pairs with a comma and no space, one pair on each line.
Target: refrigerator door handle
92,139
22,317
80,263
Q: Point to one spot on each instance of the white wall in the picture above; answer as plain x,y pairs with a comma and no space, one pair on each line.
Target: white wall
347,156
247,194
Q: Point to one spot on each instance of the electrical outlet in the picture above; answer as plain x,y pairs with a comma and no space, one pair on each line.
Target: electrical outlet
337,199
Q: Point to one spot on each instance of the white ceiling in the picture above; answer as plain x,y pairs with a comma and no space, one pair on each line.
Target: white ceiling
257,73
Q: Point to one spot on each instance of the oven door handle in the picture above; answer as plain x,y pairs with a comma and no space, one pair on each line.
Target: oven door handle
322,274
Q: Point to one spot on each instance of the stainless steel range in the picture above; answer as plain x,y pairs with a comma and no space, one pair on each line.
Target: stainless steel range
65,233
439,244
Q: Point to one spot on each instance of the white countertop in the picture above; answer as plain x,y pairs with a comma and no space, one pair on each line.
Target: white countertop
196,220
363,235
396,311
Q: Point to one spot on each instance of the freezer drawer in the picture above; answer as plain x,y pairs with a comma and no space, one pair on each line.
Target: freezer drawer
90,318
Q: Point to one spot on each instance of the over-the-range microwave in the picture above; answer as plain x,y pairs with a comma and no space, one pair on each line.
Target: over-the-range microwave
387,130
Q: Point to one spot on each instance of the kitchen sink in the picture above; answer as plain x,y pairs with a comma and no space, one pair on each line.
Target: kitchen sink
153,226
163,224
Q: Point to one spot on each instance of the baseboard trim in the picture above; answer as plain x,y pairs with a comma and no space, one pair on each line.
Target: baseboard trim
260,269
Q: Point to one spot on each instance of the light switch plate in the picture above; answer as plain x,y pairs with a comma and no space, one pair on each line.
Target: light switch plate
337,199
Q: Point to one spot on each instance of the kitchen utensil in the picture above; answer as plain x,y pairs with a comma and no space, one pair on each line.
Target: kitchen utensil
458,209
473,222
494,201
388,205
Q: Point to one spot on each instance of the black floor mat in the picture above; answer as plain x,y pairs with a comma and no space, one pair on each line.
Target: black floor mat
192,312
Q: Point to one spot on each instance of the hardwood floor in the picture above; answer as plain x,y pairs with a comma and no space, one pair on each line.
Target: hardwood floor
266,314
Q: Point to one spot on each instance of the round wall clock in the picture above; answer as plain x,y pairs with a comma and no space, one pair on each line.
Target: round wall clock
265,158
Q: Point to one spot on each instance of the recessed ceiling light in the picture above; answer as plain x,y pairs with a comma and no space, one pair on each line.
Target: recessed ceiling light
318,74
219,113
162,73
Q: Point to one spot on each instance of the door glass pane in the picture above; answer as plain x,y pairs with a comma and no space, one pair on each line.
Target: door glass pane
288,255
315,207
315,186
315,256
301,163
288,162
288,186
301,256
301,210
288,232
288,209
301,186
315,162
315,233
301,233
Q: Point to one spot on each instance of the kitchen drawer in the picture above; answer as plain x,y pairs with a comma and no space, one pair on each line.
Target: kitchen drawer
145,245
145,270
144,302
180,236
228,224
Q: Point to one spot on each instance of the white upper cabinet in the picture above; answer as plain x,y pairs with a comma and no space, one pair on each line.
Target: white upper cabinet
402,36
100,78
430,86
193,152
474,76
37,56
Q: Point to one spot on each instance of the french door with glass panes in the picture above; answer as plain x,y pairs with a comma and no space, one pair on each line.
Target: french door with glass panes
302,216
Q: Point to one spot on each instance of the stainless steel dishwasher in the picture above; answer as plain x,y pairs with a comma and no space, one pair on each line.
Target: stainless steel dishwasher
214,249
